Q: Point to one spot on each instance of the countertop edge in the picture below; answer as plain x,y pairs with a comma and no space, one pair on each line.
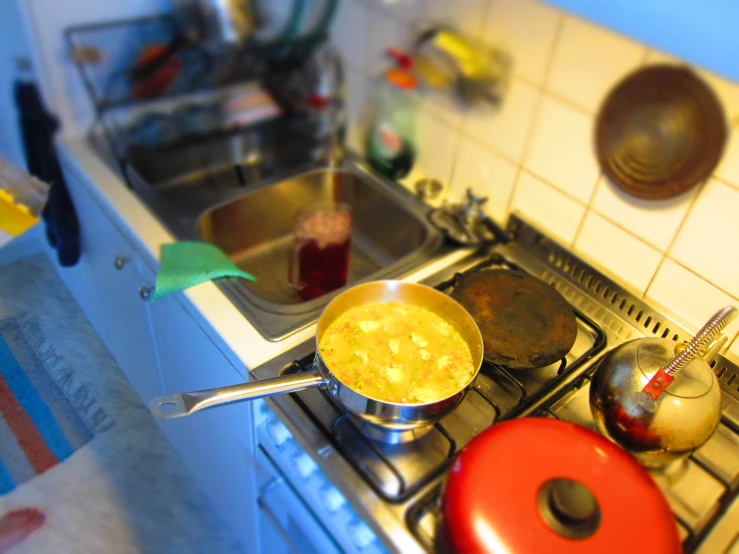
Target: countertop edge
220,320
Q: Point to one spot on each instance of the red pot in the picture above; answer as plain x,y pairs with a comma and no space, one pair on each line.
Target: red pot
539,485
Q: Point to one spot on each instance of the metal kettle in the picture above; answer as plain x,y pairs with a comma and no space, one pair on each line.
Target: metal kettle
687,408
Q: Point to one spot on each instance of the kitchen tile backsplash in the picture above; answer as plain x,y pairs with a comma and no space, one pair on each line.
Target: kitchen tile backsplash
531,44
622,255
534,154
560,149
588,60
547,206
707,235
653,221
485,173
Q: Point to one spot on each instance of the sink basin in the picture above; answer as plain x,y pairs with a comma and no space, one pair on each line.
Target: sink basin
221,162
242,191
256,231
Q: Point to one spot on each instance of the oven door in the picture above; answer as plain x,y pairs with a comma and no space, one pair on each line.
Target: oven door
286,525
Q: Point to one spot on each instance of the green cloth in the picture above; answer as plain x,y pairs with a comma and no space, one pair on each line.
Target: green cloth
186,264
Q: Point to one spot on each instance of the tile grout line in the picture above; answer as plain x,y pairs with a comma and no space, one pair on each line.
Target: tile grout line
536,111
670,246
489,149
568,102
723,181
589,208
600,183
455,159
555,187
644,61
702,278
625,229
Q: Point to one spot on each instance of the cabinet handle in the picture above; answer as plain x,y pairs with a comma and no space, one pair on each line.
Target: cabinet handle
119,262
145,293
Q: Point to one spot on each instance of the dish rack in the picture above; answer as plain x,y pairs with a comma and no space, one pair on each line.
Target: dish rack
186,88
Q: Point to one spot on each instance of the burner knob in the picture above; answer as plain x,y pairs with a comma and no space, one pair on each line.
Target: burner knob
279,433
332,498
304,464
361,534
570,508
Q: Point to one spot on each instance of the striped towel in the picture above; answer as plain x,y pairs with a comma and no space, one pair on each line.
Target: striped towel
39,427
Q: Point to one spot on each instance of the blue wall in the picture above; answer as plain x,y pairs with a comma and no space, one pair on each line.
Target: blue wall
703,32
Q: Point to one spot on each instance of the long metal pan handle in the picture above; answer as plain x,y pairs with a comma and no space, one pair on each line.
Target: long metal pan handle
182,404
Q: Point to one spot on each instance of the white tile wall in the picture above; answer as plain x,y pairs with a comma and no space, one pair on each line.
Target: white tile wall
505,130
465,15
356,106
621,254
384,32
653,221
547,207
712,225
561,149
349,32
588,60
734,348
485,173
529,44
405,10
437,154
688,298
534,155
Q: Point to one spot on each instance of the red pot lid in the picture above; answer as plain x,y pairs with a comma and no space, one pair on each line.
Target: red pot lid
541,485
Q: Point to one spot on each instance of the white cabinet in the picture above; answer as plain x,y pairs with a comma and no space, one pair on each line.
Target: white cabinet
162,350
105,282
217,444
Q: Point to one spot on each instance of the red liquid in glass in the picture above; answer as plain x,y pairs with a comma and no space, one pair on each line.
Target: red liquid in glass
320,269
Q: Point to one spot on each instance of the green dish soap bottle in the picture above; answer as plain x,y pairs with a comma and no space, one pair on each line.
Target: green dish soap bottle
391,143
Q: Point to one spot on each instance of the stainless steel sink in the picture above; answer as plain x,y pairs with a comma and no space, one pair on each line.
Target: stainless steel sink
223,162
252,220
256,230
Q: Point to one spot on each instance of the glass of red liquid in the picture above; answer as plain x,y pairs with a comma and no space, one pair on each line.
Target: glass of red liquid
319,263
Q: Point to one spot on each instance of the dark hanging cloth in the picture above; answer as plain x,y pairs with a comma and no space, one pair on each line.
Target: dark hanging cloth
38,128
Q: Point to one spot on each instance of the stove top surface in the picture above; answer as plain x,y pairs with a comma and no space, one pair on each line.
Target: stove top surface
397,487
397,471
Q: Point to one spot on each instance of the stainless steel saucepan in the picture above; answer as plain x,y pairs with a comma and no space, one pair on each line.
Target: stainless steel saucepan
387,415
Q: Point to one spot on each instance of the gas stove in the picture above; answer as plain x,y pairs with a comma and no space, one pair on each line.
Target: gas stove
395,488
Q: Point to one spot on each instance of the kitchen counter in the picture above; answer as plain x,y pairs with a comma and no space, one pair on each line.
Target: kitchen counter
221,321
202,341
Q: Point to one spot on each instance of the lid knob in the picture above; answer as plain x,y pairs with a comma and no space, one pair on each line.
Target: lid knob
570,508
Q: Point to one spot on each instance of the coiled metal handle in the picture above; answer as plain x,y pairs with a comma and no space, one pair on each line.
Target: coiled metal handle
651,392
702,339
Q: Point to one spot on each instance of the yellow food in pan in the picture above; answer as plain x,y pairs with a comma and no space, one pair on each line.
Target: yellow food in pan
397,352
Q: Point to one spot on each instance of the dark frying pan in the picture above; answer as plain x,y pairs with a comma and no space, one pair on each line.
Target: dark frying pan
525,323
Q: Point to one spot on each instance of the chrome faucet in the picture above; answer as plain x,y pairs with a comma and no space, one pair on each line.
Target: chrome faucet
328,107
